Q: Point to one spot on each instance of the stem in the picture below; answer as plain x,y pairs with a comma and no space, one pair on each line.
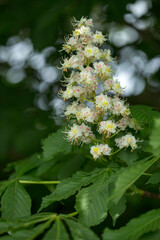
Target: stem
38,182
73,214
147,174
111,117
114,134
116,151
144,193
86,99
96,140
104,159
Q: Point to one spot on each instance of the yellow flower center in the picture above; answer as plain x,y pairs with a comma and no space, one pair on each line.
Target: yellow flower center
98,36
118,86
89,50
74,131
110,126
96,149
104,103
77,32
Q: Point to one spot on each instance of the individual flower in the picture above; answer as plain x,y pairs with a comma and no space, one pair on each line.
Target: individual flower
118,107
92,51
98,150
102,69
99,38
103,102
79,134
126,141
107,127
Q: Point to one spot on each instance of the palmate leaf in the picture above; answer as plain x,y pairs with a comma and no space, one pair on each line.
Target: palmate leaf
92,202
24,222
69,186
128,176
16,202
54,144
62,227
155,137
143,114
147,222
80,232
29,234
57,232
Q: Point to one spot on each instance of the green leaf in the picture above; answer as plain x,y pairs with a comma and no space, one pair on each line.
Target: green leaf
45,166
143,114
145,146
128,176
69,186
155,137
147,222
27,165
29,234
54,144
72,165
151,236
116,210
24,222
128,156
4,226
57,232
7,238
91,202
3,186
155,178
80,232
16,202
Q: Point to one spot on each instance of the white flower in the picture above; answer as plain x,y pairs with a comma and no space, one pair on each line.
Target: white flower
119,107
87,77
102,69
117,87
123,123
133,123
106,55
83,21
71,109
68,93
74,133
98,150
106,150
85,30
107,126
108,84
98,37
103,102
77,91
91,51
126,141
80,133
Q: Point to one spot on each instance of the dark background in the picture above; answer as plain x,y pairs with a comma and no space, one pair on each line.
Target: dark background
31,35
